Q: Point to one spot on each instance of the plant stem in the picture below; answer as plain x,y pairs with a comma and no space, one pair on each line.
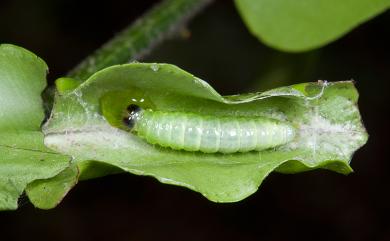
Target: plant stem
140,37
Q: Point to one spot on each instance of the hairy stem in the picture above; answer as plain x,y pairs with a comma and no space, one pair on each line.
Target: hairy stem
140,37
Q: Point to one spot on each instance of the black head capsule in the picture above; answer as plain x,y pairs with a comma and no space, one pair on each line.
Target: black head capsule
132,109
132,112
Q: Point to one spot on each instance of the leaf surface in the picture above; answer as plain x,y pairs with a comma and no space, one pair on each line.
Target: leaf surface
86,124
48,193
295,26
24,158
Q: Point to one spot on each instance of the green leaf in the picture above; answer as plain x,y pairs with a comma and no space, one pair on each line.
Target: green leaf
47,193
86,124
24,158
295,26
94,169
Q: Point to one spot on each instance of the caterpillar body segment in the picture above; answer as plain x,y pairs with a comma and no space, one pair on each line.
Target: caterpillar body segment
208,134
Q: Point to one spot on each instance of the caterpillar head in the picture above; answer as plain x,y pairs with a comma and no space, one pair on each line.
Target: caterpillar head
132,114
120,108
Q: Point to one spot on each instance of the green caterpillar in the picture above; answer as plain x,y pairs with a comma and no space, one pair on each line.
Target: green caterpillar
206,133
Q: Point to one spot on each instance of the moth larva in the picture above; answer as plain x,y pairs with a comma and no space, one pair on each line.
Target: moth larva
206,133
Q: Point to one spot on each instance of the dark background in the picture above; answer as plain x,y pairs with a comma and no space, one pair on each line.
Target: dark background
318,205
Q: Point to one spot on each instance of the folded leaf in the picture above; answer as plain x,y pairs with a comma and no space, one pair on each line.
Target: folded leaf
86,124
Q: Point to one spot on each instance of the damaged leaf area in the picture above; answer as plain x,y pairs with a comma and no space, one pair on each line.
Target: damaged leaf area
86,123
23,156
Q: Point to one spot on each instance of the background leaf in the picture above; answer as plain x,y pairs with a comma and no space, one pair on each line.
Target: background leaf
326,116
24,157
290,25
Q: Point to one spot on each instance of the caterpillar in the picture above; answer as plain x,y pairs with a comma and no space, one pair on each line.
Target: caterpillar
206,133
